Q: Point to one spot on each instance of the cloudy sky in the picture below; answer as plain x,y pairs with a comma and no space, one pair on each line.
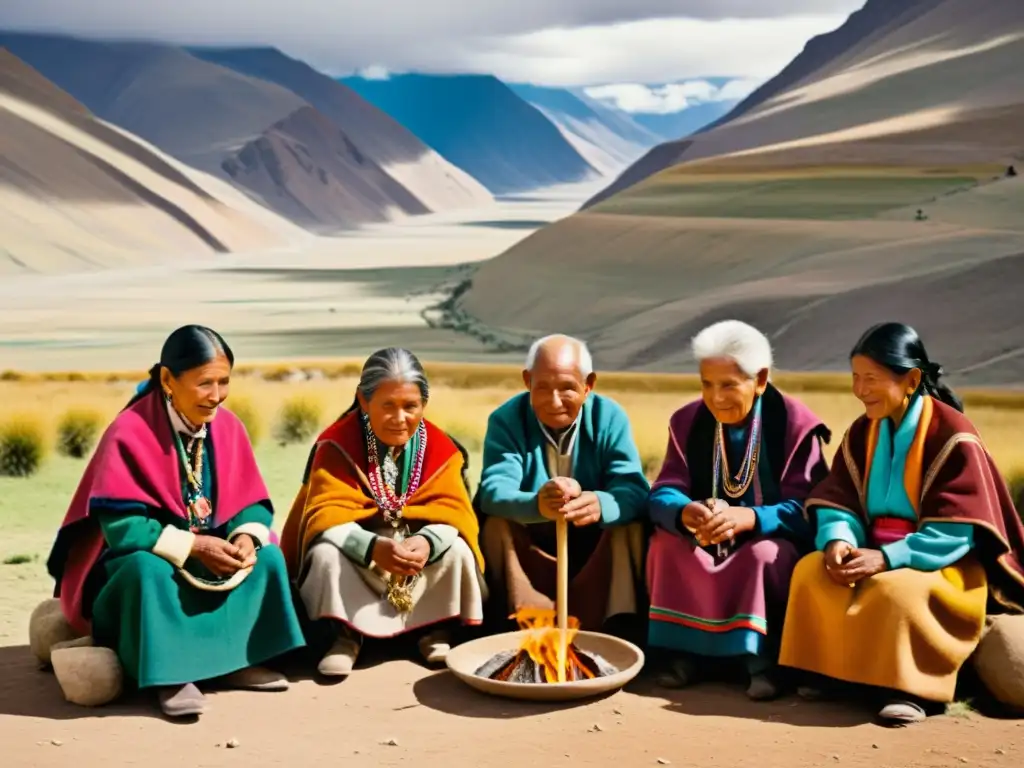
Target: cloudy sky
624,44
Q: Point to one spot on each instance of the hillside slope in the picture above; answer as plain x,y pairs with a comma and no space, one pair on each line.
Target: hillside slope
607,141
877,188
310,171
434,181
893,69
479,124
196,111
78,194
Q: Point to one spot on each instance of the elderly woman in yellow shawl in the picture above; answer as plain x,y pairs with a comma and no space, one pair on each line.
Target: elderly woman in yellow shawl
382,538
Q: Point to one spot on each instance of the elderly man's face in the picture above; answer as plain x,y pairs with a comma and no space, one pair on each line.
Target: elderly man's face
728,392
557,388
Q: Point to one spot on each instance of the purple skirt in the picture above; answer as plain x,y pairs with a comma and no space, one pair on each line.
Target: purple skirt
733,607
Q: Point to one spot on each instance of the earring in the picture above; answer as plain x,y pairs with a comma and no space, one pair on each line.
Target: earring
167,396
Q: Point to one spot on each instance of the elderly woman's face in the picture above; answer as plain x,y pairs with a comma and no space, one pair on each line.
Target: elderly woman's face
198,393
728,392
882,392
395,411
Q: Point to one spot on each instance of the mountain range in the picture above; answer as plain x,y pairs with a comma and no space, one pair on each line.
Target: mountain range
323,153
876,178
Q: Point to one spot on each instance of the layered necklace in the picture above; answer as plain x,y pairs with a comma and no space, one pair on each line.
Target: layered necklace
735,485
383,475
383,478
197,502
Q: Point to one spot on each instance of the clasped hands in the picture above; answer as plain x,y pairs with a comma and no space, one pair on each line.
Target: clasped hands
562,498
402,558
846,564
723,523
223,557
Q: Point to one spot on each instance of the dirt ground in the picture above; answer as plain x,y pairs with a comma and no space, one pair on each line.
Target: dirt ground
434,720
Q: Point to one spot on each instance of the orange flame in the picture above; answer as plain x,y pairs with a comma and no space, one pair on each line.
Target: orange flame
541,640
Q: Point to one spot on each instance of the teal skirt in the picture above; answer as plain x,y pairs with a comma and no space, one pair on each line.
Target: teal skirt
167,632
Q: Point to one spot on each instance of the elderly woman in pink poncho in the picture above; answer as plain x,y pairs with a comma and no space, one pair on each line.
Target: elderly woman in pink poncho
165,554
727,507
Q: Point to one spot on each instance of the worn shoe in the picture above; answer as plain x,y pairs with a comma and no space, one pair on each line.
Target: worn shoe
763,687
257,679
901,712
340,659
182,700
681,673
434,646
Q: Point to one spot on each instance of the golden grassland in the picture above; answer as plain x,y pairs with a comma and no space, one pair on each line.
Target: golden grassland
463,395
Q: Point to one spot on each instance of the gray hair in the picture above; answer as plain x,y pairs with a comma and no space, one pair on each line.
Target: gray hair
734,340
393,364
584,359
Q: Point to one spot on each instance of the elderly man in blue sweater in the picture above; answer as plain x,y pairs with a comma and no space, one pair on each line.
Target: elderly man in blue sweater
559,451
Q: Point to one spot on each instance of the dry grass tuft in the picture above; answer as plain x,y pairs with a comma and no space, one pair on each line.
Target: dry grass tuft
23,445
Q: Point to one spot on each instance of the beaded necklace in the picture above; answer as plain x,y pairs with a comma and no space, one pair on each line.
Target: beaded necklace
383,482
198,505
383,488
735,486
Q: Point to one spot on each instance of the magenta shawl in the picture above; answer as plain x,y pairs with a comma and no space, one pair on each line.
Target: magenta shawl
789,432
136,461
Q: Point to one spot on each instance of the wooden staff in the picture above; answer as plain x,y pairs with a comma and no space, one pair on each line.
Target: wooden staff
562,546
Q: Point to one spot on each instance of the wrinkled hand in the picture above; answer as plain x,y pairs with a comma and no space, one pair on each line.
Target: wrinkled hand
726,524
695,515
836,553
221,557
418,548
585,509
555,494
246,548
860,564
394,557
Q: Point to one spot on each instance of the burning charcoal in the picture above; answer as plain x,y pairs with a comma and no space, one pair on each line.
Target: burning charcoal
495,663
535,661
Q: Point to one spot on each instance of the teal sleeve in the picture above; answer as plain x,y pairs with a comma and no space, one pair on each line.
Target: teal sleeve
501,493
126,533
358,546
440,537
837,525
624,495
934,547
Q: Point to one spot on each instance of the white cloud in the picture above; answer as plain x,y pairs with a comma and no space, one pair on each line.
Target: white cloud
555,42
374,72
671,97
651,51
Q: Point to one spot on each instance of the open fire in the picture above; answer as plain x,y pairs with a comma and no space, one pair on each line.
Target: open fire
536,660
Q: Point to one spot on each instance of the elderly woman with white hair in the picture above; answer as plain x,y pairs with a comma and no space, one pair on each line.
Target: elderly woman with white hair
728,512
382,537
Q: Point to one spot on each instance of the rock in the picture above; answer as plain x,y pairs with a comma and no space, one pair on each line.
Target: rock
663,761
999,659
47,627
595,728
391,743
233,744
1000,751
88,676
57,742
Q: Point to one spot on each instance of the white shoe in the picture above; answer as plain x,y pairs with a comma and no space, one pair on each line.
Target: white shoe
434,646
340,659
257,679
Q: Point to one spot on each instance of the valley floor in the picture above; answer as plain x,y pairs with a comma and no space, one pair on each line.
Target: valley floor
333,297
